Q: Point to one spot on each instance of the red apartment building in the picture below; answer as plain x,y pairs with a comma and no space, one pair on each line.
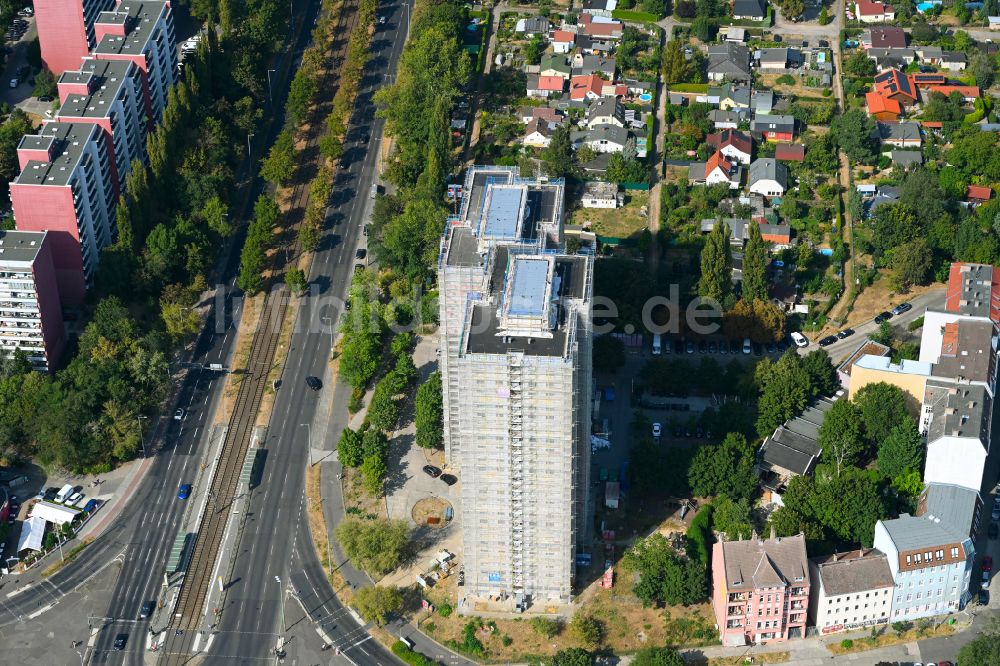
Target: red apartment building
30,311
760,589
66,31
66,187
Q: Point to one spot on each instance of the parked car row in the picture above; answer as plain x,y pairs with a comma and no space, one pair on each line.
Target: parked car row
715,346
17,28
435,473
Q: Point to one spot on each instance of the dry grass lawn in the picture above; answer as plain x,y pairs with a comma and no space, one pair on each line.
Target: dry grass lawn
624,222
889,637
758,658
879,297
800,91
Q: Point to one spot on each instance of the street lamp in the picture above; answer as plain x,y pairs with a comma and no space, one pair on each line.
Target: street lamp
270,97
249,153
281,605
142,438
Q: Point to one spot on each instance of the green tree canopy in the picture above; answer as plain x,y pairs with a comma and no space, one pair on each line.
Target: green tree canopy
664,577
754,284
378,603
716,264
429,413
841,435
732,518
852,133
377,546
652,656
901,450
726,469
882,407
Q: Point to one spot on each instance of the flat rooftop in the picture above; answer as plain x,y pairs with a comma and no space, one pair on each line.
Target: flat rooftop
139,18
68,140
502,216
958,410
529,286
19,247
110,76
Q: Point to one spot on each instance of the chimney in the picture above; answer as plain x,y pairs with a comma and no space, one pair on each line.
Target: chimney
772,531
834,556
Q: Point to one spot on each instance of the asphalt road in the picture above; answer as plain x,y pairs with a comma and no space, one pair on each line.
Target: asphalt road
275,557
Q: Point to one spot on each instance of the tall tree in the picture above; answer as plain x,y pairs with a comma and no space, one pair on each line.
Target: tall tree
840,435
726,469
902,450
882,407
558,156
732,518
674,63
716,264
429,413
912,262
754,265
852,132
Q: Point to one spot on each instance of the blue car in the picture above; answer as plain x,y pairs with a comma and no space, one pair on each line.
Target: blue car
184,492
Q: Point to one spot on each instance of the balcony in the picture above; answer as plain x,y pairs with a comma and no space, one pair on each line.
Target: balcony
735,611
737,596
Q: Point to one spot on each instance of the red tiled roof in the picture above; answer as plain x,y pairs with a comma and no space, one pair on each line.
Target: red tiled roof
878,103
866,8
978,192
888,37
932,124
718,160
970,92
731,137
894,82
563,36
554,83
579,86
790,151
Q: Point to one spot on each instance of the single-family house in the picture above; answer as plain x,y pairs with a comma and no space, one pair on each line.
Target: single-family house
554,65
874,12
774,58
562,41
768,177
729,61
883,37
774,128
993,22
725,119
954,61
750,10
537,134
715,171
729,96
777,234
600,27
762,102
891,58
882,108
790,152
929,53
585,65
735,146
605,111
899,134
597,194
533,25
599,7
546,113
602,138
978,194
544,86
593,45
634,119
586,88
906,159
896,85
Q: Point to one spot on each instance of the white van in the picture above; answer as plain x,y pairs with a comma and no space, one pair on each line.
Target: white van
374,190
657,344
407,642
64,493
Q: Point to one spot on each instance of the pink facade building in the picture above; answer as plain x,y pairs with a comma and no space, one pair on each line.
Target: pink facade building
66,31
30,310
67,188
760,589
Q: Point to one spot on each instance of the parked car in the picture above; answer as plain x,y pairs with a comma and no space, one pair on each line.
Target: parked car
314,383
758,350
747,346
360,253
987,564
432,471
45,98
449,479
702,347
14,83
799,339
901,308
846,333
882,316
184,491
657,430
690,347
827,341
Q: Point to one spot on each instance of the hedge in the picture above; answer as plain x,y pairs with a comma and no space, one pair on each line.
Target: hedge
410,657
689,87
632,15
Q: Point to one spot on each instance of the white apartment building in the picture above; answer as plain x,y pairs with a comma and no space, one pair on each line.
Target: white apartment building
30,312
850,591
516,365
141,31
110,94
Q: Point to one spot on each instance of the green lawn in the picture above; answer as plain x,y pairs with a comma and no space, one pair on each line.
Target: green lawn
625,222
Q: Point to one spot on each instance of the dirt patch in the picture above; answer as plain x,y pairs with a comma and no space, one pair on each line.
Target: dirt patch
876,298
624,222
889,637
807,93
758,658
430,511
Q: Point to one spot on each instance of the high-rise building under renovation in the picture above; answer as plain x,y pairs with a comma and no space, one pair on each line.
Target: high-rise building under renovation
516,366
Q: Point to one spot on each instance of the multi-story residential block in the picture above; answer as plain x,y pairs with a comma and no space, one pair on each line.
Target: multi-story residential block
30,311
66,31
850,591
66,187
931,560
108,93
974,290
956,419
517,378
141,31
760,589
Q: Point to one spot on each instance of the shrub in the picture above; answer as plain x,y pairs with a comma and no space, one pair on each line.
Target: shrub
548,627
847,643
444,610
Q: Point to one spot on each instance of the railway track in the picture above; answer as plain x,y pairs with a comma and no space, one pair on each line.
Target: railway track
223,488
